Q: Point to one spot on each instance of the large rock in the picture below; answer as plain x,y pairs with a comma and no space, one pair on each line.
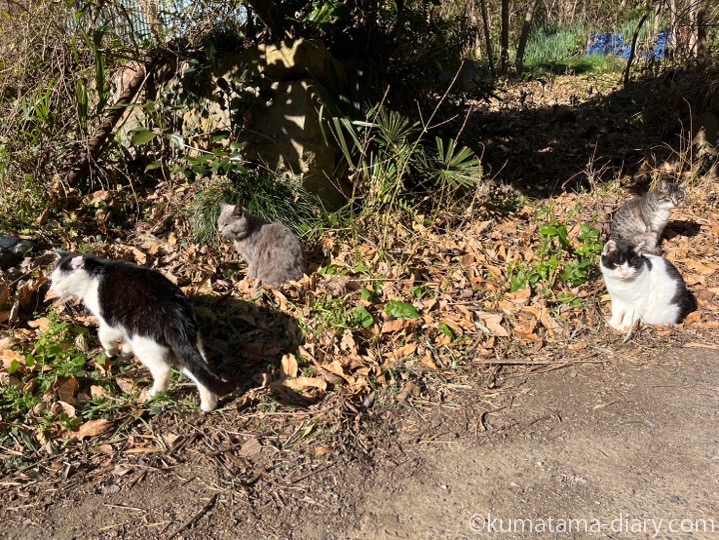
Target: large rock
271,95
286,61
287,135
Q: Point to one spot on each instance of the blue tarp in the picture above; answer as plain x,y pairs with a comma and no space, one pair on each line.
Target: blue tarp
608,43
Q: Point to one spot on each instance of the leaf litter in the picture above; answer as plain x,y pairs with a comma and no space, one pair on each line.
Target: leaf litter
444,312
480,329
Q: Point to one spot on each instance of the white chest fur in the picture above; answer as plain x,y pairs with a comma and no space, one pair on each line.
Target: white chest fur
648,296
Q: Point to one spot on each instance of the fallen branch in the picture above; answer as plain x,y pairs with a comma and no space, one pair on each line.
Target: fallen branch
138,72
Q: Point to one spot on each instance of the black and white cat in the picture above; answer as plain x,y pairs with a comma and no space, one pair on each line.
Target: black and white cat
140,311
643,287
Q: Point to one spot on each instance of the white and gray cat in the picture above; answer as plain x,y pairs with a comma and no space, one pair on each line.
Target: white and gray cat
643,287
140,311
272,251
641,221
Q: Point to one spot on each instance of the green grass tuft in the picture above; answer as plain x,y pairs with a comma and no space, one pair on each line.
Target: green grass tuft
264,194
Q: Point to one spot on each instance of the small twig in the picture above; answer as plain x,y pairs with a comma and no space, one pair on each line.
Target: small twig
304,476
631,330
696,345
21,507
124,507
115,526
196,517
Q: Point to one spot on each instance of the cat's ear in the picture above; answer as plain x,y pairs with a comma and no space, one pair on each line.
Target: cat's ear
77,262
609,247
61,253
224,205
664,186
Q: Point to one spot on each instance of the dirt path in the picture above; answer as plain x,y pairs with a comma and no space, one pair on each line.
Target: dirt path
612,447
589,451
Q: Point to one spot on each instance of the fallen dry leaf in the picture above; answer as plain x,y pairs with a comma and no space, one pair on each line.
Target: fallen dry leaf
250,448
91,428
5,296
393,326
410,390
428,362
492,321
97,391
302,384
126,384
41,324
288,366
67,389
9,356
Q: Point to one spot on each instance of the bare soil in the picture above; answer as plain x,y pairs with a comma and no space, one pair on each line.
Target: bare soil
630,436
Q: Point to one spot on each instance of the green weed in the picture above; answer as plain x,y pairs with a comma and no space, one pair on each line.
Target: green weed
561,50
396,169
330,314
59,383
558,259
264,194
48,391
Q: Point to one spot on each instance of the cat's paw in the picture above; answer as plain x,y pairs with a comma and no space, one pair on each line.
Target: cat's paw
126,350
208,404
615,323
618,326
622,329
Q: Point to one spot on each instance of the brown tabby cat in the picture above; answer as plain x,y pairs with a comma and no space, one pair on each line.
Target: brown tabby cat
272,251
639,223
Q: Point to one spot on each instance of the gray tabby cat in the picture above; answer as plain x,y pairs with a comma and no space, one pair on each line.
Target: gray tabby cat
640,222
272,251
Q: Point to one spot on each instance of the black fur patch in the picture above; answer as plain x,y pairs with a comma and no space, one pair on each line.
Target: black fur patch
625,254
683,298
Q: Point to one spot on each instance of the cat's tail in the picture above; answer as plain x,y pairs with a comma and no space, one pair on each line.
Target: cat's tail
184,344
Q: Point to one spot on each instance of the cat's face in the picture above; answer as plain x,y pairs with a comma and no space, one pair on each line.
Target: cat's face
620,262
232,221
68,277
669,194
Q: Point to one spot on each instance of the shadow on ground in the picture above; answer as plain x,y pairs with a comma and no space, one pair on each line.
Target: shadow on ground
549,135
245,342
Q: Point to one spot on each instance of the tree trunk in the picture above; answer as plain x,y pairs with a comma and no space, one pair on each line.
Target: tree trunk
134,76
149,7
524,36
673,22
487,37
504,46
698,36
633,48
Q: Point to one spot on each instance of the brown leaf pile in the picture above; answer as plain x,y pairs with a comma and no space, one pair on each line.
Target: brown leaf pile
365,317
